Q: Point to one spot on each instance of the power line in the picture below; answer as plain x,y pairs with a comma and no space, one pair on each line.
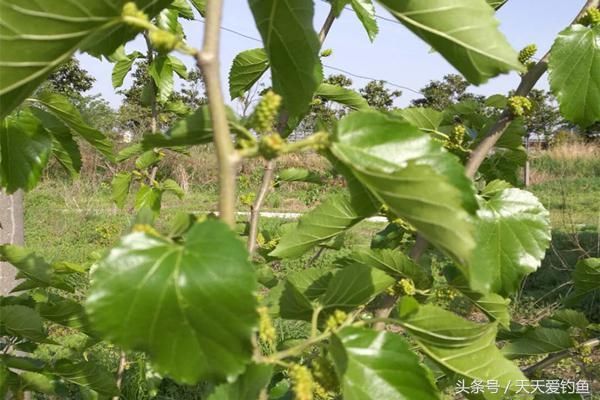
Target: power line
331,67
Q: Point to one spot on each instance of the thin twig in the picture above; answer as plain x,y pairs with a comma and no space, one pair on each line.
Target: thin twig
556,357
478,155
208,62
266,183
120,372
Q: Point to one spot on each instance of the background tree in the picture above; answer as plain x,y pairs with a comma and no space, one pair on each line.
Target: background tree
378,96
70,79
442,94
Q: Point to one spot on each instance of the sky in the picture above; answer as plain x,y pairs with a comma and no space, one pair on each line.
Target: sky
396,55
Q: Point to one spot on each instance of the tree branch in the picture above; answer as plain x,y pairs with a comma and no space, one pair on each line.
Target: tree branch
208,61
478,155
556,357
266,183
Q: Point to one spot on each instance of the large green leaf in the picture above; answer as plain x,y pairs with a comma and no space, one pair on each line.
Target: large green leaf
464,32
332,217
342,95
298,175
36,37
122,68
353,286
23,322
574,68
148,197
192,308
464,347
246,70
539,340
412,174
65,312
286,28
24,151
426,119
512,233
586,279
379,365
247,386
394,263
62,109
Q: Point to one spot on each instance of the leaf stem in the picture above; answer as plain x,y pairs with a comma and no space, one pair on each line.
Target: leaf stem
208,61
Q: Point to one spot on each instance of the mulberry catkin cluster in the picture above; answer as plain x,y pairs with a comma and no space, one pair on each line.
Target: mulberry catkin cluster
302,382
266,111
527,53
519,105
591,17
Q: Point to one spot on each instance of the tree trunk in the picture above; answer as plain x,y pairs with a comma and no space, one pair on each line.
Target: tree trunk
11,232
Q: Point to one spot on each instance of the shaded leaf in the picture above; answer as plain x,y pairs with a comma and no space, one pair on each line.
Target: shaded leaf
298,175
121,183
247,386
161,71
586,278
122,68
87,374
539,340
342,95
148,197
23,322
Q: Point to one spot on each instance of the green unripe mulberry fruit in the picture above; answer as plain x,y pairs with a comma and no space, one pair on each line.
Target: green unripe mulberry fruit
302,382
136,17
519,105
526,53
326,52
163,41
266,111
591,17
270,146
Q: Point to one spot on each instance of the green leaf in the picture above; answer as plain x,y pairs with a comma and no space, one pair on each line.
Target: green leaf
169,185
396,264
32,267
426,119
379,365
128,152
61,108
64,146
147,159
353,286
122,68
341,95
148,197
464,32
512,233
161,71
496,4
246,70
193,309
586,278
24,322
412,174
178,67
66,312
121,183
497,101
574,68
22,363
183,8
539,340
464,347
332,217
200,5
52,35
192,130
248,386
365,11
493,305
286,28
298,175
24,151
87,374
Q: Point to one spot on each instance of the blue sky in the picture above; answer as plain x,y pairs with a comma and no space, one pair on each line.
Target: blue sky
396,55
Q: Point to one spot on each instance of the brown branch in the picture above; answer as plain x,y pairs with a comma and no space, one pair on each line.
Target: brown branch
208,61
266,183
478,155
120,372
556,357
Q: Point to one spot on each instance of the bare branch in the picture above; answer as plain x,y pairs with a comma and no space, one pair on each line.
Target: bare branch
556,357
208,62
